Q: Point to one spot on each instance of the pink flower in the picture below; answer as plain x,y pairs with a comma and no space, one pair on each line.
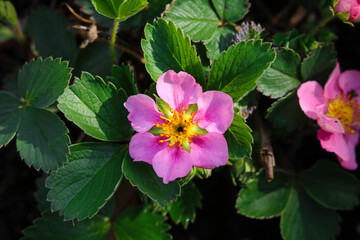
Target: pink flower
348,10
182,129
337,112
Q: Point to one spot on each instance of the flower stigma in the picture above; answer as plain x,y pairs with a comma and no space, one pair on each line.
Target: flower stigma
347,110
180,128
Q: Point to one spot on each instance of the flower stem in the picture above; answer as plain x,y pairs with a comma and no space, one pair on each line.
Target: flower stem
321,24
19,33
113,38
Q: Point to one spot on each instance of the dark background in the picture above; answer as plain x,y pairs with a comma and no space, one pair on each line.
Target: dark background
217,219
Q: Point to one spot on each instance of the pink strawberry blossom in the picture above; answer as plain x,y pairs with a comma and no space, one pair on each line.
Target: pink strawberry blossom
337,111
182,129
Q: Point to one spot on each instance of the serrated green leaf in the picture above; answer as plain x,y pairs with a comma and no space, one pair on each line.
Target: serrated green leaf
41,195
239,138
219,41
97,108
42,139
231,10
10,116
305,219
41,82
95,58
177,54
283,76
184,208
319,65
236,70
195,17
143,176
331,186
122,77
52,226
263,199
286,115
87,181
8,13
50,35
139,224
119,9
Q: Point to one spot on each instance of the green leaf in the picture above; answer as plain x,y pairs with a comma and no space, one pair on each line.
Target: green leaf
231,10
305,219
142,175
177,54
41,82
219,41
147,15
51,226
95,58
41,195
88,8
301,43
236,70
331,186
195,17
119,9
50,35
283,76
97,108
8,13
10,116
87,181
320,64
263,199
239,138
286,115
139,224
123,78
184,208
42,139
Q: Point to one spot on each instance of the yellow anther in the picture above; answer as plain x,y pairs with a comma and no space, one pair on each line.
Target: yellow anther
161,141
157,125
183,108
170,145
161,134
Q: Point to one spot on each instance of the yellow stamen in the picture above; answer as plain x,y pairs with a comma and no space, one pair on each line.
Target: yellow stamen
346,109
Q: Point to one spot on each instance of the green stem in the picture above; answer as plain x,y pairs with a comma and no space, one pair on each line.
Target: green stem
19,33
321,24
113,38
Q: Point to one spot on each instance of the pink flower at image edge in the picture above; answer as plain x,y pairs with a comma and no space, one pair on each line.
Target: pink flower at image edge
189,130
337,112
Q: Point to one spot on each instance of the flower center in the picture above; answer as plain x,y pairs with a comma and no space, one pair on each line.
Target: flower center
180,128
347,110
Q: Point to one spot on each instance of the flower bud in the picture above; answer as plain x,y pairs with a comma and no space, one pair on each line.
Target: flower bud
347,10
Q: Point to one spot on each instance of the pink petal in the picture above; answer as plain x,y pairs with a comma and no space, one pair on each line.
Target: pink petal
178,89
171,163
311,95
332,125
144,146
331,89
215,111
343,6
352,140
355,11
143,112
209,151
349,81
340,145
